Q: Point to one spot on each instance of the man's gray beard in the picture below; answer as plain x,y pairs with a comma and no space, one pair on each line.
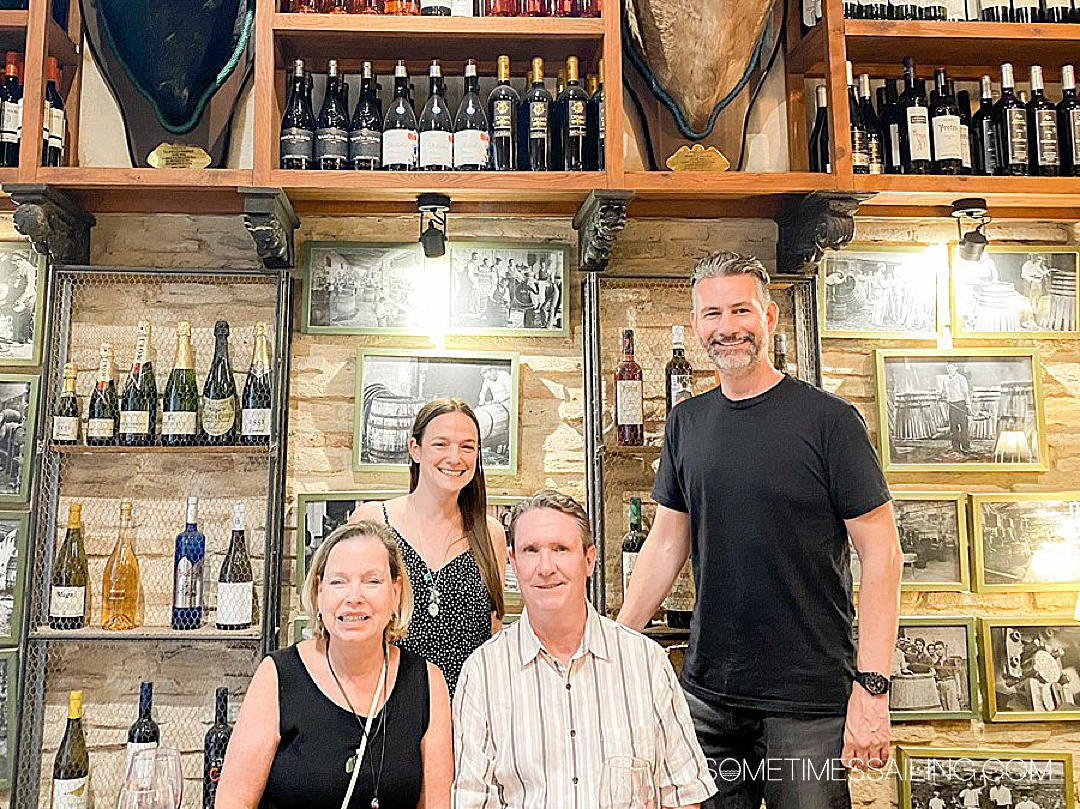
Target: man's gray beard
726,366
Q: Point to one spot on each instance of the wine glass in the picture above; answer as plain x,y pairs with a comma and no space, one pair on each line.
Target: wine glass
155,767
627,783
145,786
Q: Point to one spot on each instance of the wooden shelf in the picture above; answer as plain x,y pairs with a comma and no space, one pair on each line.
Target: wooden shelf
807,56
13,20
96,634
899,195
80,449
145,190
708,194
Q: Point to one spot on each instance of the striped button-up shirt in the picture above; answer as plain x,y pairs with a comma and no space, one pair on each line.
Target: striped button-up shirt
531,733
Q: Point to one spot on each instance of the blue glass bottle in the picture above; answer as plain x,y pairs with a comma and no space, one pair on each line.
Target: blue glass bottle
188,572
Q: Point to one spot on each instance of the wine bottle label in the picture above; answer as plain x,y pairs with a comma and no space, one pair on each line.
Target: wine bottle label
234,603
996,9
365,145
1074,127
1046,148
100,428
471,148
67,602
187,593
629,559
71,793
461,8
178,422
134,422
255,421
502,118
874,145
57,128
681,597
947,137
918,130
965,147
989,145
600,118
135,747
538,119
575,118
681,387
1016,141
956,10
1025,6
629,408
860,154
297,144
219,415
894,143
10,121
65,428
444,4
332,142
1064,5
399,147
436,149
18,119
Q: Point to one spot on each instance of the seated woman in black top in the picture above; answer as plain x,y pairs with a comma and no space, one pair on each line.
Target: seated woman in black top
306,714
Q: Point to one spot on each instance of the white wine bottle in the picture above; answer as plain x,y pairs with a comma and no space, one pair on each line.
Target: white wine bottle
67,596
65,423
71,767
236,585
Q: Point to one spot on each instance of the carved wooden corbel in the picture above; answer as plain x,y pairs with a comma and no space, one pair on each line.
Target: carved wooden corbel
270,219
56,225
822,221
598,222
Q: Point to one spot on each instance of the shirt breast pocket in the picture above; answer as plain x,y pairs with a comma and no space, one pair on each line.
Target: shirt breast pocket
634,740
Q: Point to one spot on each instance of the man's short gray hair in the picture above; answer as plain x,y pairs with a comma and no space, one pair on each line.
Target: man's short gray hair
725,264
556,501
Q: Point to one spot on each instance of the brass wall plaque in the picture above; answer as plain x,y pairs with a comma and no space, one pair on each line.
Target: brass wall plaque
698,158
178,156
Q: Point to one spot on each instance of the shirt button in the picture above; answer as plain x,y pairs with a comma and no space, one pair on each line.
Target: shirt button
568,686
573,733
575,780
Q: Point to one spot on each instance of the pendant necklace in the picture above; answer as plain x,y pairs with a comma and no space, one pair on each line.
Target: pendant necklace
434,594
354,762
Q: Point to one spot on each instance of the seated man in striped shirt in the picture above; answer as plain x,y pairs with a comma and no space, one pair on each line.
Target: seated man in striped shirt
543,706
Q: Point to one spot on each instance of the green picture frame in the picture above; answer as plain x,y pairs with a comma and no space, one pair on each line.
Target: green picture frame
17,437
16,306
393,384
9,683
14,528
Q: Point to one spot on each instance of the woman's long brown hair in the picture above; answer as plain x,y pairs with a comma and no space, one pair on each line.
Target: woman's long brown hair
472,500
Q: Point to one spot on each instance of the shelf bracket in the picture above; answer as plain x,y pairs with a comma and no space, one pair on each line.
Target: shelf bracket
821,221
270,219
56,225
598,222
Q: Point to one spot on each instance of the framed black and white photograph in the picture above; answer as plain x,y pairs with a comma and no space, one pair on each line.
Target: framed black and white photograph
1031,669
392,386
13,539
357,288
18,408
9,678
22,297
508,289
882,291
986,778
933,539
934,670
1015,290
942,410
1026,541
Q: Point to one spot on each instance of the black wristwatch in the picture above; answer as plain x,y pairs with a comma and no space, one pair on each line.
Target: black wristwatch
874,683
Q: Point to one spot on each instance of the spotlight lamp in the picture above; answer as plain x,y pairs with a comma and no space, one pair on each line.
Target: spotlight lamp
973,243
433,209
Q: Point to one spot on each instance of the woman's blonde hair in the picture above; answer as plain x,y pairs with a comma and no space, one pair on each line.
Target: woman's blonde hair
399,623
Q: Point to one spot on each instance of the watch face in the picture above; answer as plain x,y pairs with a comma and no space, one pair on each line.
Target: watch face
875,683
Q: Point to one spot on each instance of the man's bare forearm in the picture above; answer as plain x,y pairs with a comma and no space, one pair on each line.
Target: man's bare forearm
879,606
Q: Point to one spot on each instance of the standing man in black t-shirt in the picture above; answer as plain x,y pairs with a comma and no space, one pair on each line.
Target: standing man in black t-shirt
761,481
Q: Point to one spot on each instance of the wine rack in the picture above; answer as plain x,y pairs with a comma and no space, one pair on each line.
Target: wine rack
89,305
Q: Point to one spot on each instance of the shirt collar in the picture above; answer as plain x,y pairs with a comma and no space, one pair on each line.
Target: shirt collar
592,642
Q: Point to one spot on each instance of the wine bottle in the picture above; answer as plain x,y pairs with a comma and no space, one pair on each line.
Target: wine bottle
1026,11
1068,113
872,127
555,118
236,585
679,604
219,394
71,767
995,11
365,131
399,139
120,607
914,115
678,373
10,111
534,128
436,126
629,404
402,7
595,123
1042,129
1010,128
65,423
982,131
890,126
945,123
258,398
820,155
632,543
860,150
471,139
103,412
138,403
143,733
332,125
1058,10
54,125
875,9
180,402
906,9
297,140
780,362
572,102
188,572
963,106
503,102
67,592
435,8
214,746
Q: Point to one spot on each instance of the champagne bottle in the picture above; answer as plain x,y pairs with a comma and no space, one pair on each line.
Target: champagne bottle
71,767
503,105
143,733
188,572
471,139
103,412
678,373
65,423
297,141
436,126
236,586
67,594
572,127
120,608
257,401
138,403
180,403
632,543
629,404
219,394
54,129
214,746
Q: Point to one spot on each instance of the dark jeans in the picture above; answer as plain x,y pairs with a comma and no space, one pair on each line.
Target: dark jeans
790,760
959,426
